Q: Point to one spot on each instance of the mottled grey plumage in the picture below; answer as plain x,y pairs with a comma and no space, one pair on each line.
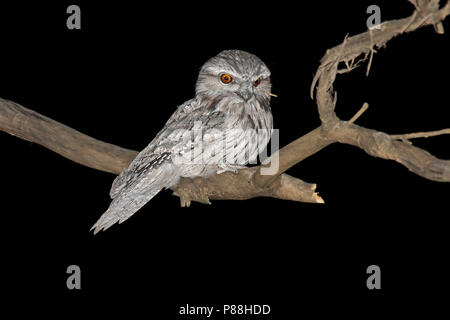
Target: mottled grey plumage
224,127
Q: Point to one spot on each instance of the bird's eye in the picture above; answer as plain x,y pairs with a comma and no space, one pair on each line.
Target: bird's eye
226,78
257,82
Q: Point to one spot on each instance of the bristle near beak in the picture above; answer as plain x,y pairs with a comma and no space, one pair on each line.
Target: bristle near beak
271,94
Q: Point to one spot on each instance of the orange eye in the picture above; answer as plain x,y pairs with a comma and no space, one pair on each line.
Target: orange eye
226,78
257,82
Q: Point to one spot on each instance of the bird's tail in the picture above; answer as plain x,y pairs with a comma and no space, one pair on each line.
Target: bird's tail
135,195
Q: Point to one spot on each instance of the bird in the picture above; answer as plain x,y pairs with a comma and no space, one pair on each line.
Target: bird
223,128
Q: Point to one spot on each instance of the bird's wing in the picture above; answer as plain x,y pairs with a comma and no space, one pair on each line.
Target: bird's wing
182,119
159,145
153,169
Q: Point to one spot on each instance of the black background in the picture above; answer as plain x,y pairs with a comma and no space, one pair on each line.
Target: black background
121,76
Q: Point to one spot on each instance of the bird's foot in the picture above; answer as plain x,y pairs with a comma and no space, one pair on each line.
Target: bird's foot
185,200
189,194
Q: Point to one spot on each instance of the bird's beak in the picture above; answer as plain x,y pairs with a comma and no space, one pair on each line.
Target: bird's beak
245,92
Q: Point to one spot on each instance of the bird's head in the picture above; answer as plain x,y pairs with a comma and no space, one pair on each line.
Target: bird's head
236,74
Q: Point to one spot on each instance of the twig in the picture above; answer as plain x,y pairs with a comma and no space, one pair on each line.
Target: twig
369,64
415,135
363,109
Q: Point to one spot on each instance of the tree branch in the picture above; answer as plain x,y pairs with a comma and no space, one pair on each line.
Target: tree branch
249,183
74,145
381,145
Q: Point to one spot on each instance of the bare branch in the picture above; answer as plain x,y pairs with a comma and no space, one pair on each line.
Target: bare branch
363,43
379,144
373,142
74,145
292,154
240,186
299,150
